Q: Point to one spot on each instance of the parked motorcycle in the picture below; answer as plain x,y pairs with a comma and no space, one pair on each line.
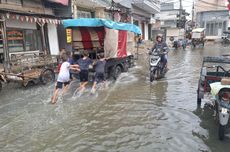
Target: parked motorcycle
222,105
157,70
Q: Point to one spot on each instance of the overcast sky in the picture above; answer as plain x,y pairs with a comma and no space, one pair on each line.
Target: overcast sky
187,5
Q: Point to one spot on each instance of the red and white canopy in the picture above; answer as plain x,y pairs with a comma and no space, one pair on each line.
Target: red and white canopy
116,43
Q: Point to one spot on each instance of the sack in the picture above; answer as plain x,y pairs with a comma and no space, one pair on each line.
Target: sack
59,67
225,81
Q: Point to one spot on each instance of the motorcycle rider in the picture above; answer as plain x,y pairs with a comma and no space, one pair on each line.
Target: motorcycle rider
162,46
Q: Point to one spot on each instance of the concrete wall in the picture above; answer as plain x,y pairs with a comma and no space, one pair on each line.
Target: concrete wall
210,5
146,32
53,39
20,24
175,32
35,6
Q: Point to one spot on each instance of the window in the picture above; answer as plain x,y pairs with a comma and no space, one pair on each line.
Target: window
15,40
84,14
15,2
23,40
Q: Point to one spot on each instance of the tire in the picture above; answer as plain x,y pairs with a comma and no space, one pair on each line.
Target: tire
117,72
198,97
221,132
152,74
198,101
47,76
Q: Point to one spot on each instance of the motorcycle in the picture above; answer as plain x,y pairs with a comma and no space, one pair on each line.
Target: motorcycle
157,70
221,94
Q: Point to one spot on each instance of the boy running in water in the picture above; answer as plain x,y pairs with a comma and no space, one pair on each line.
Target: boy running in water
99,72
84,70
63,77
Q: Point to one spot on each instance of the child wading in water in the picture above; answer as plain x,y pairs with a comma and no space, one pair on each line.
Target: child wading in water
63,77
84,70
99,72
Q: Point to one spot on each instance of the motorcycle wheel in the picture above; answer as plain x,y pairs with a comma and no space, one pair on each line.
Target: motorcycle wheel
152,74
221,132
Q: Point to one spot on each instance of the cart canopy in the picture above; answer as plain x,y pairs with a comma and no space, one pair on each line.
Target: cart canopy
217,86
96,22
198,30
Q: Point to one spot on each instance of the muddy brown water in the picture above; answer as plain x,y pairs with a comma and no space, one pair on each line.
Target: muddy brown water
131,115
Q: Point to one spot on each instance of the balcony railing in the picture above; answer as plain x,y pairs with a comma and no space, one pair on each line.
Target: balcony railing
151,6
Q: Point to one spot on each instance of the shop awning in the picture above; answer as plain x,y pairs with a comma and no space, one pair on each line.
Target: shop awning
63,2
96,22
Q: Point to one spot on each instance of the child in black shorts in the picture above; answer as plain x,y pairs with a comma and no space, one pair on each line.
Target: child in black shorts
99,71
84,73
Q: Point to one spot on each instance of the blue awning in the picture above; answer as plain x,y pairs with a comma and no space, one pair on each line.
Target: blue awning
96,22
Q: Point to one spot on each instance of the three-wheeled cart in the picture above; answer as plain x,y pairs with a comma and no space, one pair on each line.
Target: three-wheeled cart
115,40
28,68
198,37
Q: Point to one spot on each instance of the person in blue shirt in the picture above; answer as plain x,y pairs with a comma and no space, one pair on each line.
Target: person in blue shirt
162,46
84,70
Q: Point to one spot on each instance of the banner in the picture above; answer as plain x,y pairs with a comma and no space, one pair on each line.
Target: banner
63,2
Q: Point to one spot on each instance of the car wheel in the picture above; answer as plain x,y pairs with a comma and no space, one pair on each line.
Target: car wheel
117,72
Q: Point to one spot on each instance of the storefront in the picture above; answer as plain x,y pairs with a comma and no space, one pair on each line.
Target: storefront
24,34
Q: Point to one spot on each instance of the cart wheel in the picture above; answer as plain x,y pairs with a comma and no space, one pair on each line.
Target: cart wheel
221,132
198,101
117,72
47,76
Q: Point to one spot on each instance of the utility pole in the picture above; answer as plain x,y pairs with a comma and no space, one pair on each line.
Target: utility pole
193,14
180,13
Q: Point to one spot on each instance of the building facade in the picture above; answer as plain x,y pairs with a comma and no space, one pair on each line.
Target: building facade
209,5
169,18
143,15
27,26
215,22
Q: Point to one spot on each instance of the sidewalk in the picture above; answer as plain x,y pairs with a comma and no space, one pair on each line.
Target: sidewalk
144,46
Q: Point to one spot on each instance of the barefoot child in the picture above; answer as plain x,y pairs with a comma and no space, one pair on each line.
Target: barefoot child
84,70
63,77
99,72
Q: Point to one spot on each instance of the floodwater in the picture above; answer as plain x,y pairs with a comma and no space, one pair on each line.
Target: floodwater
132,115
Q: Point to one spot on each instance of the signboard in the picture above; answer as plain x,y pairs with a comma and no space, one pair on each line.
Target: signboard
69,35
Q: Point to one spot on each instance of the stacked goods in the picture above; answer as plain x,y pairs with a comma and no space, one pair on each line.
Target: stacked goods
225,81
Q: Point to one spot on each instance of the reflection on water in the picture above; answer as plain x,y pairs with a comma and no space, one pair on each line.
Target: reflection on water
132,115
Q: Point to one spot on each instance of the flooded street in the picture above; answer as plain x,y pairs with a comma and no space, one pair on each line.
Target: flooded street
132,115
